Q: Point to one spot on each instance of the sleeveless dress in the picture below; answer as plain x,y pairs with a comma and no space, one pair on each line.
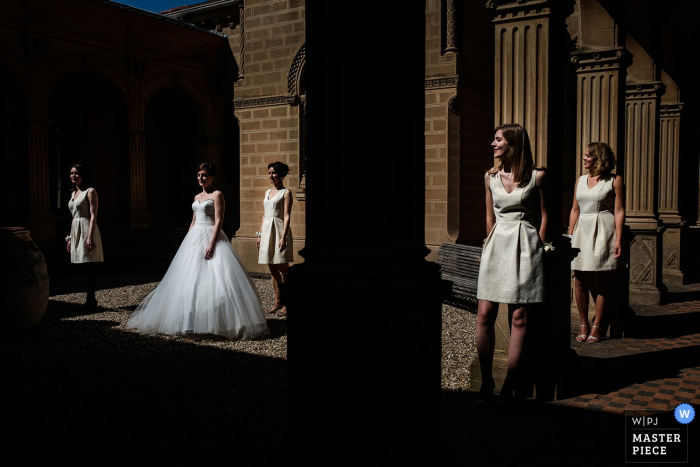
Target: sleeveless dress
196,295
80,209
272,229
594,232
511,269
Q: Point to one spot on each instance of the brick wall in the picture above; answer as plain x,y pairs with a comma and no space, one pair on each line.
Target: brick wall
273,34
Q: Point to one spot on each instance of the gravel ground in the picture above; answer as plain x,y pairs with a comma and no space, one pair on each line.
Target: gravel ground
82,383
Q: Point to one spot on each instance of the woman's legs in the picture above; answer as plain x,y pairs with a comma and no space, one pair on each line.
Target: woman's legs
604,290
486,342
518,333
279,276
582,287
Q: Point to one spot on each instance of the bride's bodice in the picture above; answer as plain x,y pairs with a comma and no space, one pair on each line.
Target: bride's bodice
204,211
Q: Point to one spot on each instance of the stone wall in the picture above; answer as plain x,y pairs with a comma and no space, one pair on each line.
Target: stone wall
268,112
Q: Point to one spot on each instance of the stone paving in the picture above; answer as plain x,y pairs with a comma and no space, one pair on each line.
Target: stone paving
656,367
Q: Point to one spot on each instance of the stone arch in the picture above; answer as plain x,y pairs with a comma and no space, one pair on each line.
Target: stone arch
73,64
89,125
295,71
171,79
14,194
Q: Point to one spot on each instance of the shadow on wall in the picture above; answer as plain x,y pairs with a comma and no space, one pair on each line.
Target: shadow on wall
85,390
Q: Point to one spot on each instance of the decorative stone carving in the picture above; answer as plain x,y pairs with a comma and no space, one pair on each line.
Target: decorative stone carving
241,60
645,266
453,105
669,155
295,71
451,35
440,83
275,100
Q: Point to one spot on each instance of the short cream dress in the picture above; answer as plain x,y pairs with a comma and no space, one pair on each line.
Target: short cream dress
272,229
594,233
80,208
511,269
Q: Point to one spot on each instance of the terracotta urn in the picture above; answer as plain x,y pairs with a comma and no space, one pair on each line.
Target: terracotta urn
24,279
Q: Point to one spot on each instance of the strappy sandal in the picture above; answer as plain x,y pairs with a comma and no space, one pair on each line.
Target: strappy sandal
593,339
275,308
282,312
584,337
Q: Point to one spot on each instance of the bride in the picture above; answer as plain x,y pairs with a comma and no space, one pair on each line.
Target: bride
206,288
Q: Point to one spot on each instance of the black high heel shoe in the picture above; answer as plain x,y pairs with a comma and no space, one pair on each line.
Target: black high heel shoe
485,396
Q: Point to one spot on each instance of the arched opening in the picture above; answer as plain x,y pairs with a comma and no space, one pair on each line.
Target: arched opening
14,196
171,159
89,126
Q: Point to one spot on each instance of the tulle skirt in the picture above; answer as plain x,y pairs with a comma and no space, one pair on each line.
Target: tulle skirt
196,295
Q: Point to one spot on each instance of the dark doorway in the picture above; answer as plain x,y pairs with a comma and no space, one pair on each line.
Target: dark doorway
14,194
171,159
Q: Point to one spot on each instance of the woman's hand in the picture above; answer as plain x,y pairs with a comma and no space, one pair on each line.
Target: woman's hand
283,244
68,246
618,249
210,251
89,244
257,242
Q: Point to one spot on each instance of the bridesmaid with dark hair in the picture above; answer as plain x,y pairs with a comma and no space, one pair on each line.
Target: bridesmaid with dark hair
84,241
511,269
275,241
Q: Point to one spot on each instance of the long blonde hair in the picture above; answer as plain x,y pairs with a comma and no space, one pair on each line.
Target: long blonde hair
519,155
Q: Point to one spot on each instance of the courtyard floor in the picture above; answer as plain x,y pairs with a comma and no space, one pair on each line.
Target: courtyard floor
83,383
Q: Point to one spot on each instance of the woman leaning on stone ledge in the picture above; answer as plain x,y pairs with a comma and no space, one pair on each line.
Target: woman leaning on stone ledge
596,223
84,241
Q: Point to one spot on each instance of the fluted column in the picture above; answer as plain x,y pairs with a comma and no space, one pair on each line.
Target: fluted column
669,158
140,217
451,28
641,150
600,100
373,393
41,219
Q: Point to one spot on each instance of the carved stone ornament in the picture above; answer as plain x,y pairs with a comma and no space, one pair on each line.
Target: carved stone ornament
451,27
275,100
295,70
440,83
650,90
453,105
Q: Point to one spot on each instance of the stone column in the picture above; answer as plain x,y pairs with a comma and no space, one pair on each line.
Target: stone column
451,27
140,217
676,227
600,99
42,222
641,147
364,306
527,81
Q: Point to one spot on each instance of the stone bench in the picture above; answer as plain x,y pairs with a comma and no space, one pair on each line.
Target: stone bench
459,264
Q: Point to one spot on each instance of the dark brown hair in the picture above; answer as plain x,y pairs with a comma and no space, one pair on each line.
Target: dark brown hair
84,174
281,168
519,155
209,167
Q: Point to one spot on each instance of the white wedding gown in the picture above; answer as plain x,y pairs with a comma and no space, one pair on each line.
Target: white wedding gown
197,295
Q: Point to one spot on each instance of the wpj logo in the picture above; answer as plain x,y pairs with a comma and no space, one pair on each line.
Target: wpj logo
658,436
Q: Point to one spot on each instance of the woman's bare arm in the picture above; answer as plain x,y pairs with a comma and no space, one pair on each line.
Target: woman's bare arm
219,208
490,216
575,211
288,201
92,198
541,182
619,187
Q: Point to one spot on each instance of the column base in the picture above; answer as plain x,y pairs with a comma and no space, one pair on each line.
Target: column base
646,250
42,228
140,219
673,239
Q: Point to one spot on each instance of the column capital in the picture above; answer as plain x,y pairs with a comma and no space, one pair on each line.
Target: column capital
650,90
518,10
587,60
671,110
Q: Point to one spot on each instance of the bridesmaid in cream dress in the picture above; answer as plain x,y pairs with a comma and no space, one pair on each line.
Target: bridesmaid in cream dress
596,223
275,241
84,242
511,269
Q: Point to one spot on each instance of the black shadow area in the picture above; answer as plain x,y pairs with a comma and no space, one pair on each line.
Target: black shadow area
74,279
532,433
654,326
85,392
